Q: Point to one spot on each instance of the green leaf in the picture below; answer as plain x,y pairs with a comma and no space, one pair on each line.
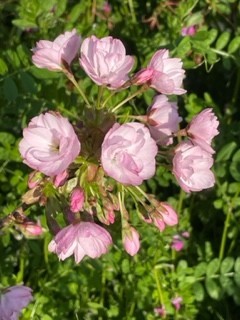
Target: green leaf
212,34
3,67
28,82
237,265
24,24
225,153
200,269
227,265
44,73
227,284
234,45
223,40
235,166
213,289
183,48
6,139
213,267
198,291
10,89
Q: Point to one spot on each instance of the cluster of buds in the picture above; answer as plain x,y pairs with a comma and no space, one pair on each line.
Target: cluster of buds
87,171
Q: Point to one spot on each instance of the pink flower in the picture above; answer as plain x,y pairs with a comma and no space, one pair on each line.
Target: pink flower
164,215
81,239
52,55
160,311
177,302
177,243
163,120
203,128
131,241
105,61
49,144
167,73
77,200
128,153
191,167
13,300
189,31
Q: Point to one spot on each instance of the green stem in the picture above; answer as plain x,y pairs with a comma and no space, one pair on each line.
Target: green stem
180,201
73,80
108,98
141,90
224,235
100,92
159,288
131,7
236,88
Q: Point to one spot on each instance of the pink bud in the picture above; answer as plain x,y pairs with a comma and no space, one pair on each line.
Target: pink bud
131,241
185,234
177,302
60,178
160,311
31,229
177,243
142,76
189,31
169,215
77,200
107,8
34,179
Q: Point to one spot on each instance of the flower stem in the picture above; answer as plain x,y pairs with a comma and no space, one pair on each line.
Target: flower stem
100,92
159,288
224,235
141,90
73,80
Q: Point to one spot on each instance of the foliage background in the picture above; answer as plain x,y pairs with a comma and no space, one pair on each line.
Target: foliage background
206,274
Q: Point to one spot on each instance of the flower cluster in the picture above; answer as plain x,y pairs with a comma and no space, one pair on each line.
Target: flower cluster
87,171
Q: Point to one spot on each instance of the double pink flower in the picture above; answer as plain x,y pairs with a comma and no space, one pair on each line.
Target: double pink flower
163,73
81,239
105,61
53,54
128,153
49,144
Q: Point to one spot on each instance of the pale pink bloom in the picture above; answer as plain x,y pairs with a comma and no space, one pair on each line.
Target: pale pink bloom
164,215
163,120
131,241
177,302
81,239
160,311
128,153
191,167
52,54
13,300
60,178
168,73
203,128
49,144
77,200
189,31
105,61
177,243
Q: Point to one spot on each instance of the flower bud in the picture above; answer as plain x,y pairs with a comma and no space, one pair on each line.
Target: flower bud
131,241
